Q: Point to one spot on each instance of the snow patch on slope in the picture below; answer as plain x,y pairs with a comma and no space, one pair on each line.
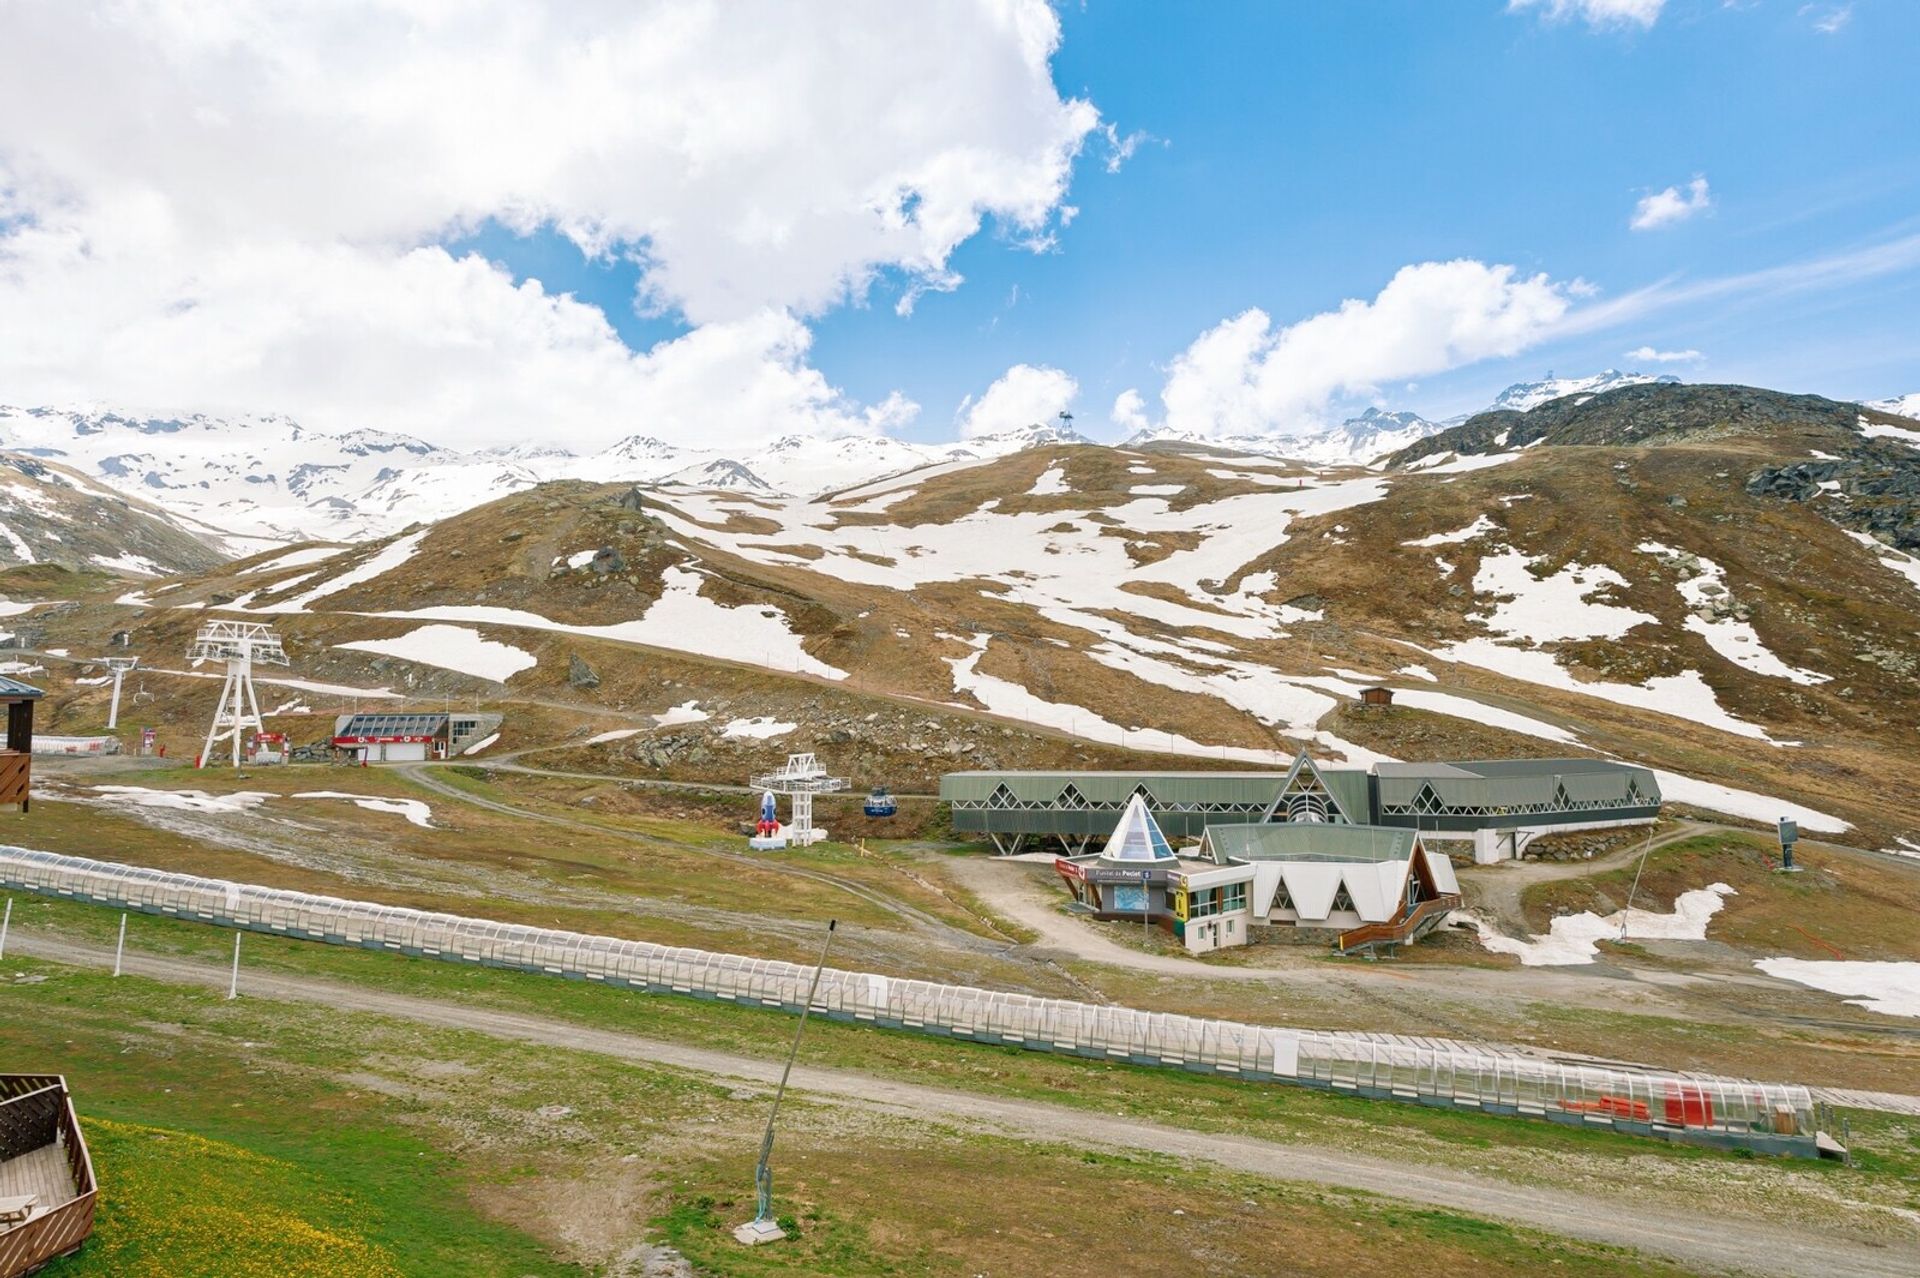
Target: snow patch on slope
1889,988
455,648
1574,939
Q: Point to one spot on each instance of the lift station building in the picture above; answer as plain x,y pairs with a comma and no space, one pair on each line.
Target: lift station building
1495,807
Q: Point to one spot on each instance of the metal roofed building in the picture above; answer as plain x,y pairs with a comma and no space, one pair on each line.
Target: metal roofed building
393,738
1080,807
1366,885
1501,805
1498,806
1375,884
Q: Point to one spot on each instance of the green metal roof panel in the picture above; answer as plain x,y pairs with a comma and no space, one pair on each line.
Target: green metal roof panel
1309,841
1596,786
1113,789
1349,789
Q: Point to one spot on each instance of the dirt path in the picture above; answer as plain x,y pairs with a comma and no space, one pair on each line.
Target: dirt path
1495,892
1711,1240
1017,892
1009,889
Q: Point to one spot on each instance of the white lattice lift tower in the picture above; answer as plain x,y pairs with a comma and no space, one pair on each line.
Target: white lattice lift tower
800,778
119,666
239,644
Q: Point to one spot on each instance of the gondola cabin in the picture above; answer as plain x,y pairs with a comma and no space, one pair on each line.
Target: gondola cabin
880,802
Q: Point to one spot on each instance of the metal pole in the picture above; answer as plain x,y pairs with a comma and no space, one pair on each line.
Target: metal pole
113,710
121,948
233,985
763,1173
1146,900
1628,912
6,921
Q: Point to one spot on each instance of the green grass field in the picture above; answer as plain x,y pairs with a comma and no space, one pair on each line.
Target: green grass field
255,1138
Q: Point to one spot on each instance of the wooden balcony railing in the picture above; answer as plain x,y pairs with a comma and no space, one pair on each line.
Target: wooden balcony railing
37,1112
1403,929
15,777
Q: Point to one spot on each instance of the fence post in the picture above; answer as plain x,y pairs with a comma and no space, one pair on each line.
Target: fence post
6,921
233,985
121,948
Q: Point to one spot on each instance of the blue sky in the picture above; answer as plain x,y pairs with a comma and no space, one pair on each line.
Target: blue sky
1297,155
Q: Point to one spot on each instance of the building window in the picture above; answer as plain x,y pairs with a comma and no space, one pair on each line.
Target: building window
1342,901
1233,897
1203,903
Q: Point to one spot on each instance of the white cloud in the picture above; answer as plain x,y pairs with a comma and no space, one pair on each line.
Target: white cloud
1663,208
1121,146
1597,13
208,206
1828,19
1244,376
1130,411
1025,395
1648,355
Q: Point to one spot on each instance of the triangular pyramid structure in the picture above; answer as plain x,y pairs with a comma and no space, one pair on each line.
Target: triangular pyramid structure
1304,796
1137,837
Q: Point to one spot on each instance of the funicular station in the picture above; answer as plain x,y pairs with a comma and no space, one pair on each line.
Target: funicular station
1359,854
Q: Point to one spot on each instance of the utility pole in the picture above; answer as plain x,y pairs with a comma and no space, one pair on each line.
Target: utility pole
119,666
1628,912
762,1227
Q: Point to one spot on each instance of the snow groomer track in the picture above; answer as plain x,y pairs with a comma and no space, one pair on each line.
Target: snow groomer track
1692,1108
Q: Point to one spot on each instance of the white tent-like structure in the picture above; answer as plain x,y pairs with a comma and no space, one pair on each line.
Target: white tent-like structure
1332,875
1136,838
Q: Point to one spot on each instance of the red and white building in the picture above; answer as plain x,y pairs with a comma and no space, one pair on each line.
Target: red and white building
393,738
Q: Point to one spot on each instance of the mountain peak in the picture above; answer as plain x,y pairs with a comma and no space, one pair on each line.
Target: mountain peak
1524,396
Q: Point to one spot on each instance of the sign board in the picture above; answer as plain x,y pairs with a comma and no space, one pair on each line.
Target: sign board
1130,899
1120,874
1789,830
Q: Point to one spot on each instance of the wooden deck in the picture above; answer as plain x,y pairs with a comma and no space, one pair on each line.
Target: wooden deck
43,1153
42,1173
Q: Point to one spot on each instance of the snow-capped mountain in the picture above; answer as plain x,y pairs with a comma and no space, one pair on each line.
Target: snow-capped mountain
1899,405
724,473
1354,442
1007,442
1522,396
1359,440
266,479
259,477
52,515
